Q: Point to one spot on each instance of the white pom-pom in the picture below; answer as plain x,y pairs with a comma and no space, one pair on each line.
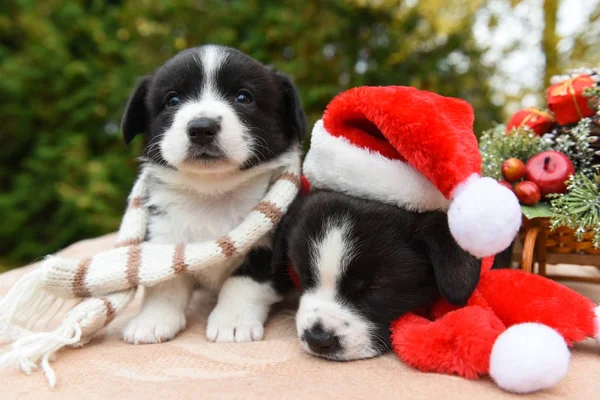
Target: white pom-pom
529,357
484,216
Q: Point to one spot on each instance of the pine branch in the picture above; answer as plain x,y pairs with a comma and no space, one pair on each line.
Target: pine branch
496,146
594,95
578,142
579,207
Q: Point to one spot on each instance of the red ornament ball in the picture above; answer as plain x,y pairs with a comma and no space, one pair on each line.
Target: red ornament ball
549,170
513,169
528,193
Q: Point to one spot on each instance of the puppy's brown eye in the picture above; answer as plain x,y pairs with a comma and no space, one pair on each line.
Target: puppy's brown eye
172,99
243,97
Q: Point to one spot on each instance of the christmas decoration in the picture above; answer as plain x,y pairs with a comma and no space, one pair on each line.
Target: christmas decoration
594,140
579,207
549,170
579,142
367,146
594,135
513,169
528,193
566,99
496,147
538,121
593,94
574,97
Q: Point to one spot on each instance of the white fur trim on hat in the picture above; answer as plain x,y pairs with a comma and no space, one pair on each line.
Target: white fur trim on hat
335,163
484,216
529,357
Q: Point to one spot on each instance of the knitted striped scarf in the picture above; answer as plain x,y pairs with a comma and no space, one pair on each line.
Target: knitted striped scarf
106,283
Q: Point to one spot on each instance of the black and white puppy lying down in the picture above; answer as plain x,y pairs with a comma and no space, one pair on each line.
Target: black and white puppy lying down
217,124
362,264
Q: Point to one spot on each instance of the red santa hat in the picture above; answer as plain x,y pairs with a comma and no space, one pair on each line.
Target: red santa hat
417,150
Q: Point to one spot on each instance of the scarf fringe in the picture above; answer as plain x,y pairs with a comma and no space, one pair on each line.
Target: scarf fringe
39,348
32,349
25,305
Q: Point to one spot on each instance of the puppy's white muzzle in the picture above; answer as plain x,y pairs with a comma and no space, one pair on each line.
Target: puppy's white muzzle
327,328
190,134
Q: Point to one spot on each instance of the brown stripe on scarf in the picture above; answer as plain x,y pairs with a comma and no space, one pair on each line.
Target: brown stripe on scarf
227,246
136,202
79,287
128,242
288,176
134,259
179,265
110,311
269,210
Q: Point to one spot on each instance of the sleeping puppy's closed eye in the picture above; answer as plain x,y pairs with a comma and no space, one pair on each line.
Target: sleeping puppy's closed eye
363,264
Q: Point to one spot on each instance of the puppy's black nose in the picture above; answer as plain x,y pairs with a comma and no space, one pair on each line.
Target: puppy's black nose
203,130
319,340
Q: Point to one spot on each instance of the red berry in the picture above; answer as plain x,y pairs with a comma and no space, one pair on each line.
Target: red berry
528,193
513,169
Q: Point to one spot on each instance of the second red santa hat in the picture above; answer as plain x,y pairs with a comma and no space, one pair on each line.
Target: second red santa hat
417,150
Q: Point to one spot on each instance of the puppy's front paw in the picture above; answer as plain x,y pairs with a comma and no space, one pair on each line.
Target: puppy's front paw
148,328
226,325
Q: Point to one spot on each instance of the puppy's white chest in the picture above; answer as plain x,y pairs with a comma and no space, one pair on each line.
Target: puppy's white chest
186,216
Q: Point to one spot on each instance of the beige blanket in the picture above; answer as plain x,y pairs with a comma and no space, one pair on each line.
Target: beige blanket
275,368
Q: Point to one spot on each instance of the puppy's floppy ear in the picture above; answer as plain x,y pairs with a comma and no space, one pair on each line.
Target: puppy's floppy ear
294,112
456,271
135,117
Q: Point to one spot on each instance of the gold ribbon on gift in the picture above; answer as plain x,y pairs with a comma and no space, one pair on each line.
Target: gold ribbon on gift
533,114
566,87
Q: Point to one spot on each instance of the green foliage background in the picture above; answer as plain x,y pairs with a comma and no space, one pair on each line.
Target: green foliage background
67,67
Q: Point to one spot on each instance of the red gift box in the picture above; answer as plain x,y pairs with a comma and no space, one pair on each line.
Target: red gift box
537,120
567,102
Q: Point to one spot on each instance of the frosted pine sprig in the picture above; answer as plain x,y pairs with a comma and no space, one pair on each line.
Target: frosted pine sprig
496,146
593,93
575,142
579,207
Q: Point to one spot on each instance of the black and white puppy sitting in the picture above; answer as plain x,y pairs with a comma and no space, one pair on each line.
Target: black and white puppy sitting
217,124
362,264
